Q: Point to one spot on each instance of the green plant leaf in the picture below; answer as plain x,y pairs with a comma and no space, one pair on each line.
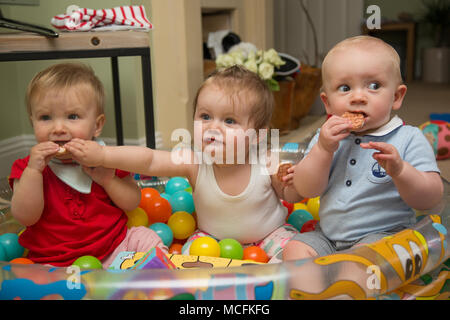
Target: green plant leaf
273,84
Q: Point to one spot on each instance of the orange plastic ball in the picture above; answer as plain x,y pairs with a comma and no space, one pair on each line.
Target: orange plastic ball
158,210
147,195
175,248
256,254
21,261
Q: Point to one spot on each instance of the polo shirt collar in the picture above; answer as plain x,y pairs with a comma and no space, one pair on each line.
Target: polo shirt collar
393,124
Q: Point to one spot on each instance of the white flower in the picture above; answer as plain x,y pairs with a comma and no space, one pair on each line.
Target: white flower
266,70
272,57
261,62
251,65
238,57
224,61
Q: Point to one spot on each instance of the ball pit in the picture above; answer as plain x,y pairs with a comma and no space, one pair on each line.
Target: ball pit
428,240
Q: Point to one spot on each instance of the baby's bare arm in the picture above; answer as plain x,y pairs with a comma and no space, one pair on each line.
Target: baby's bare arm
311,173
124,192
27,203
420,190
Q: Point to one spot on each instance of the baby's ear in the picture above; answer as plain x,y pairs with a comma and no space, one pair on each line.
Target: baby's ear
99,123
398,96
324,98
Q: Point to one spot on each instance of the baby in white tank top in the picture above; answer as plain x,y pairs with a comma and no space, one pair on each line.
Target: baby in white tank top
236,189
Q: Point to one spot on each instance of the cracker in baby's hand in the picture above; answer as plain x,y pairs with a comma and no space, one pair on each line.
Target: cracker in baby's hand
61,151
356,118
282,170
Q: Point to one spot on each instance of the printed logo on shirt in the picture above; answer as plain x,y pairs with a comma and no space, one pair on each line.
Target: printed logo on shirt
378,171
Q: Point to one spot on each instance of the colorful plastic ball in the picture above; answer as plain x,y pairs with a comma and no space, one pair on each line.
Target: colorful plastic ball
165,196
148,194
164,232
137,217
255,253
88,262
182,201
205,246
289,206
2,253
22,261
10,242
300,206
182,225
298,218
309,226
158,210
175,248
313,205
176,184
230,248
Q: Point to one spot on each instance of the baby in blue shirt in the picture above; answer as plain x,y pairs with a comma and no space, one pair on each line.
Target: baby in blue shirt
365,195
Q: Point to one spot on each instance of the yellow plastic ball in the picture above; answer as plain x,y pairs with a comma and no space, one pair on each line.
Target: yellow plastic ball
182,224
300,206
205,246
137,218
313,205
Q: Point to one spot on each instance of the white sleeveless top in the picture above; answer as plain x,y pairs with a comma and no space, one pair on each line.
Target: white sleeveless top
247,217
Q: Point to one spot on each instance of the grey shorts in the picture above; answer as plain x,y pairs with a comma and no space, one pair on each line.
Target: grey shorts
324,246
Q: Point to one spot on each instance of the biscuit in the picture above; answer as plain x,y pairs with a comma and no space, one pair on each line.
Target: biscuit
282,170
61,151
357,119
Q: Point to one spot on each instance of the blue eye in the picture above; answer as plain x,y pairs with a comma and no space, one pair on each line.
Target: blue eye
344,88
229,121
73,116
374,86
44,117
204,116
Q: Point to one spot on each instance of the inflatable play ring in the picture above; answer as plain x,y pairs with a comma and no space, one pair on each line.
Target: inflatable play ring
412,264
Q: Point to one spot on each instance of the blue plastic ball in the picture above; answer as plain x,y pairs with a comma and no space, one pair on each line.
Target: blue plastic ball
10,242
164,232
165,196
182,201
176,184
2,254
298,217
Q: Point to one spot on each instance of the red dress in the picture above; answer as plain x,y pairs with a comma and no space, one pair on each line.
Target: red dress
72,224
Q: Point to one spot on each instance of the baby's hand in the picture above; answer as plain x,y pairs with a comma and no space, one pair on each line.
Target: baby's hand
387,156
87,152
41,154
333,130
287,177
100,175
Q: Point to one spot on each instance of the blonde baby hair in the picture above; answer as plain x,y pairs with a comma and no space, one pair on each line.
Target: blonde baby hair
63,76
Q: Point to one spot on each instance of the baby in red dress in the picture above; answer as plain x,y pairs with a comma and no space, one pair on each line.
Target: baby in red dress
69,210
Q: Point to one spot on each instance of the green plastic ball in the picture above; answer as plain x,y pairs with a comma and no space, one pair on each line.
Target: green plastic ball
88,262
230,248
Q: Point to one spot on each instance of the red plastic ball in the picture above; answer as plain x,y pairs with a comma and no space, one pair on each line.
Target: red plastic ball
175,248
158,210
309,226
256,254
289,206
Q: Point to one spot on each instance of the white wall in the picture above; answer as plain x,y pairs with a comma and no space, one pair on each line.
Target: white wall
334,21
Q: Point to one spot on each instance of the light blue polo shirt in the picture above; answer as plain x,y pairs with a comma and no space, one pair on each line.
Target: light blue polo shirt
361,198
